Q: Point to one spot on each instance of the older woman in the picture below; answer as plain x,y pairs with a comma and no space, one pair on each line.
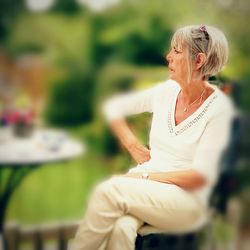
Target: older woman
170,187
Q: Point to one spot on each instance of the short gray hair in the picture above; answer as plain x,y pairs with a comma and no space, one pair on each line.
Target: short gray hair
203,39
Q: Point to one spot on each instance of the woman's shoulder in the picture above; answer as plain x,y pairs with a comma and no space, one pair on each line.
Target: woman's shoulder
167,85
225,101
224,104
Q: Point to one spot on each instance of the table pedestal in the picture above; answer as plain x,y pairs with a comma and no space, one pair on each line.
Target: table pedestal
8,185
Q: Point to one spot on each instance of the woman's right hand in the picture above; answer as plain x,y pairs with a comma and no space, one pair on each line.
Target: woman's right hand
139,152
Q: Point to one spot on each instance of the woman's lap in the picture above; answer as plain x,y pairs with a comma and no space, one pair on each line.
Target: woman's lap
161,205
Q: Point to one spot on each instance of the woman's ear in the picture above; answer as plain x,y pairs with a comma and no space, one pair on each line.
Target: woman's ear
200,60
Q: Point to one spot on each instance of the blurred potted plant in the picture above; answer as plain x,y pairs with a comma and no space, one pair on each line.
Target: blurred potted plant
22,122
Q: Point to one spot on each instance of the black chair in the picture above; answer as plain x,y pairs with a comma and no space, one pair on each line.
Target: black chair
190,241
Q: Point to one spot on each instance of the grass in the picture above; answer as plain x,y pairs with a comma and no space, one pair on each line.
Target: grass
55,192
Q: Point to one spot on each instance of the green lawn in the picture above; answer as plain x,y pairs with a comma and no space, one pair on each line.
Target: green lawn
55,192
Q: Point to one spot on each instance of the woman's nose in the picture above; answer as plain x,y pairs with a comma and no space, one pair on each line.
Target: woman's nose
168,57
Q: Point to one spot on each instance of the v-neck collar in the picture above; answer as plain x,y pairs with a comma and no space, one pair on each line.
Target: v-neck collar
191,119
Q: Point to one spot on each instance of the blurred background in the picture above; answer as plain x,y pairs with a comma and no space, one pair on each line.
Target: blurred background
59,59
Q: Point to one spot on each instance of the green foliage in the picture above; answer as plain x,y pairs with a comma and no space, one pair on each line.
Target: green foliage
70,101
223,230
146,47
33,48
109,143
9,10
60,38
244,95
143,44
67,7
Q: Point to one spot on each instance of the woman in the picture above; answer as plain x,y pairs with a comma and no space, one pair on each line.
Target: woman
170,187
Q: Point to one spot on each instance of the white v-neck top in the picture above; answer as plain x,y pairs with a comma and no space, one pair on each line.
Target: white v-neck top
196,143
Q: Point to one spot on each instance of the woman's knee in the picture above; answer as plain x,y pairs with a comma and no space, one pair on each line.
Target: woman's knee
126,226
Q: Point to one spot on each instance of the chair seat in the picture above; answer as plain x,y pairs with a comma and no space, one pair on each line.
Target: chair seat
148,229
152,238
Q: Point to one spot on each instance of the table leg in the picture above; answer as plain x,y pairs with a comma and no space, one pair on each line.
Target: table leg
14,179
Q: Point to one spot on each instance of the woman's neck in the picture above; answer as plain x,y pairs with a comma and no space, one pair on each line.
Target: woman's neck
194,90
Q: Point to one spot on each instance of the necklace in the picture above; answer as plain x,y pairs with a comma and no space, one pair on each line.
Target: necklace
189,105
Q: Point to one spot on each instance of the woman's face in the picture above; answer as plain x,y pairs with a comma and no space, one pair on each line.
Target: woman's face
178,64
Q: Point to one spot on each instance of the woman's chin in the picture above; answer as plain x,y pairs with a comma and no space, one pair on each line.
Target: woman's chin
172,76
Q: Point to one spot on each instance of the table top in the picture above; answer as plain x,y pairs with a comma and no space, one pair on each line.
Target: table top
45,145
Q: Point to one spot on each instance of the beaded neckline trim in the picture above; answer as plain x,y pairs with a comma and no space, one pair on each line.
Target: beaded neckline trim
176,130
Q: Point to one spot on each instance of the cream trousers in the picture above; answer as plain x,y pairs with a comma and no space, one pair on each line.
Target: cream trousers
121,205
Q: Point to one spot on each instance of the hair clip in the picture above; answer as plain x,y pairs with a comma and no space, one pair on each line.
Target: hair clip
204,29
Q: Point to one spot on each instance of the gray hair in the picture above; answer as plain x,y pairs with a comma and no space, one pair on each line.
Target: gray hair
203,39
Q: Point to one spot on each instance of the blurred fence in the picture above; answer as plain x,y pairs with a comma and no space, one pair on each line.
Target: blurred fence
54,237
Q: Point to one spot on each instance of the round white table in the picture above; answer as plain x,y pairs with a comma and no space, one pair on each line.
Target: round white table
22,155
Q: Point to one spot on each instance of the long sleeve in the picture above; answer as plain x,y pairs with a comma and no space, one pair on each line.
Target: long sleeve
130,103
212,144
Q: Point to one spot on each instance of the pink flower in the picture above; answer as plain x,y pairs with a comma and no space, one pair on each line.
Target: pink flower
19,116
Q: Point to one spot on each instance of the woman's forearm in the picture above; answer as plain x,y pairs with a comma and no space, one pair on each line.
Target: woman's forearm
187,179
137,151
122,131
